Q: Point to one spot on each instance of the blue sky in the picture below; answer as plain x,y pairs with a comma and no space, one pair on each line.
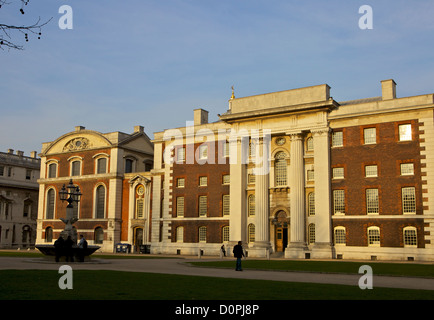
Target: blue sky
150,63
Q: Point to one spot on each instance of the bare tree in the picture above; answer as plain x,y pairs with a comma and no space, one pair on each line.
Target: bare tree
7,34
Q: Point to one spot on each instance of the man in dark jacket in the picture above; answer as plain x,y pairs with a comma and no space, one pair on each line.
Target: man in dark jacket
238,253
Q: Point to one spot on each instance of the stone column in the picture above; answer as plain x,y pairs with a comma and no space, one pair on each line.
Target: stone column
262,206
297,243
323,243
237,189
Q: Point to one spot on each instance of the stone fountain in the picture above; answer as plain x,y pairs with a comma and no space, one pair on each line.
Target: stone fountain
71,195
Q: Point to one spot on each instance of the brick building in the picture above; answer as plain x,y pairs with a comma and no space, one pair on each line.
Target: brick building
301,173
112,171
295,172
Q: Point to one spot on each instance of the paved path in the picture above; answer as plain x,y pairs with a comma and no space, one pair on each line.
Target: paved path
181,267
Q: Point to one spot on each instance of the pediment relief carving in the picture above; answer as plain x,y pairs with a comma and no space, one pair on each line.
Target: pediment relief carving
77,144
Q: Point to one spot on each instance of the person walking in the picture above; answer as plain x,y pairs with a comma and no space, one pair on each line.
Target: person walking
238,253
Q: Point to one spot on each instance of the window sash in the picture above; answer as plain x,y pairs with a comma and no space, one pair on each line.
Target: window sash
337,139
202,234
339,201
180,206
372,202
370,135
203,204
407,169
226,204
409,200
404,132
338,173
371,171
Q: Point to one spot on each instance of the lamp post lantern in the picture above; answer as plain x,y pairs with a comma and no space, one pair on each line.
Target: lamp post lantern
70,194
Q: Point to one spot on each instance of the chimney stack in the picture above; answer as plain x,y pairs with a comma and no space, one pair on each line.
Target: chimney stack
388,89
138,129
200,117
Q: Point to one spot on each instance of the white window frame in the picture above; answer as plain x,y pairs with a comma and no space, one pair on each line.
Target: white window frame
338,202
180,206
370,135
338,173
338,139
373,234
371,171
372,205
404,133
409,240
340,236
408,204
202,234
203,206
407,169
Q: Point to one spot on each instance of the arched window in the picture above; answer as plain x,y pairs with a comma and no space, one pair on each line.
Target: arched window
280,169
180,234
100,202
202,234
373,236
251,232
311,233
101,165
76,168
340,236
51,196
225,233
49,234
98,235
311,204
52,170
410,237
251,205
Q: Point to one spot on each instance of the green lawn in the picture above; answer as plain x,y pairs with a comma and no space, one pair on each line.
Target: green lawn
116,285
378,268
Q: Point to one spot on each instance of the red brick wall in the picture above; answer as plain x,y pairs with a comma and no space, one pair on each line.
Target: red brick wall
388,153
191,192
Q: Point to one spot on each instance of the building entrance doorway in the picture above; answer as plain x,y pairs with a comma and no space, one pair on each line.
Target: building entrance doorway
281,224
138,239
281,239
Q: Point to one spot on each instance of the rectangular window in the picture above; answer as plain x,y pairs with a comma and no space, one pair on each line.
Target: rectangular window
369,136
371,171
310,175
226,179
408,200
337,139
180,182
407,169
139,209
203,152
372,203
405,132
180,206
2,170
226,204
338,173
28,174
203,206
226,149
203,181
180,154
339,201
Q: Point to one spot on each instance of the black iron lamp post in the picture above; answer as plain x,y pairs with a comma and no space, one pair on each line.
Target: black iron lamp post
70,194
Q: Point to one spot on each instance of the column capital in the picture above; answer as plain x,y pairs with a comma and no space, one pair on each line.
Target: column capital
295,135
320,131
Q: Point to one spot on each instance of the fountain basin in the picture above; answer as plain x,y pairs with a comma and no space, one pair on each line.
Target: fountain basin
49,251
